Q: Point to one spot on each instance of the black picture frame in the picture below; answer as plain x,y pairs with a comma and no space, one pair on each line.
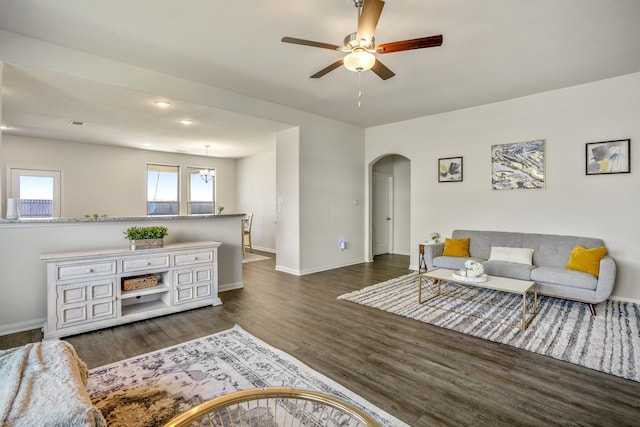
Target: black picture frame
608,157
450,169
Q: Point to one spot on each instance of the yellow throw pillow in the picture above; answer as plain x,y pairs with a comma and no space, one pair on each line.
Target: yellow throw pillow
456,247
586,260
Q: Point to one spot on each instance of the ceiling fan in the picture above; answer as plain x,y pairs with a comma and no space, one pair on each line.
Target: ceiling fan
361,45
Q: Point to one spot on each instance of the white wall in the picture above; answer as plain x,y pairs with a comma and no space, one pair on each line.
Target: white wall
256,193
331,195
288,201
572,203
107,179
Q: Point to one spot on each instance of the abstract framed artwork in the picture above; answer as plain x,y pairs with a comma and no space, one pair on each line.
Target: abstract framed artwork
450,169
518,166
608,157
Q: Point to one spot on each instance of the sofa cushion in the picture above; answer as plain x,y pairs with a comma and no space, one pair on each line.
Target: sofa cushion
517,255
508,269
564,277
456,247
586,260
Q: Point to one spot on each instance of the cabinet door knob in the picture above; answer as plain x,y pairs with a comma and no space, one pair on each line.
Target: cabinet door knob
89,270
195,258
148,263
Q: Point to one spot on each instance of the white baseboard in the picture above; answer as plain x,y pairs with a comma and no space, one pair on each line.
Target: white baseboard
407,253
330,267
230,286
288,270
260,248
316,269
14,328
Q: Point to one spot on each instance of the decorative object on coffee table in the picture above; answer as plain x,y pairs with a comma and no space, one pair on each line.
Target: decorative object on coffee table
608,157
474,268
463,276
146,237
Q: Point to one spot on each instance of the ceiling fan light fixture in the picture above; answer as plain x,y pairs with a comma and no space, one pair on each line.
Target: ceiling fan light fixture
359,60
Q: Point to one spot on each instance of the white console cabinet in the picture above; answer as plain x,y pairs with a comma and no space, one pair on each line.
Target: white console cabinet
85,292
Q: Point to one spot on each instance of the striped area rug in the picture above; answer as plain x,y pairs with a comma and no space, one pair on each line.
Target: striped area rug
565,330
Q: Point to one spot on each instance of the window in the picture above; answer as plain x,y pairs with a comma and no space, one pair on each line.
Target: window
162,190
37,191
201,195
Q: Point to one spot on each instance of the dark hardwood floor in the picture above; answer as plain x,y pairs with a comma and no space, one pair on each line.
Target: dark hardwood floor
422,374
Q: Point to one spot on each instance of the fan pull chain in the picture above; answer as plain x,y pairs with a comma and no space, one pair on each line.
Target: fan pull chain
359,89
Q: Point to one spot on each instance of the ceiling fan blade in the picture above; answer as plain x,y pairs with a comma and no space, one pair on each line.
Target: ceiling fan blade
420,43
327,69
371,10
310,43
382,71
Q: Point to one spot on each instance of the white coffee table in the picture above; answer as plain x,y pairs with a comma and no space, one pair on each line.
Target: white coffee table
504,284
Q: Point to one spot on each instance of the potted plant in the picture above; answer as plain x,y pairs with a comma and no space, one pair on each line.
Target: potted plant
146,237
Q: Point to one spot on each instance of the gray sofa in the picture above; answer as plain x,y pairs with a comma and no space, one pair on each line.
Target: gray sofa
550,256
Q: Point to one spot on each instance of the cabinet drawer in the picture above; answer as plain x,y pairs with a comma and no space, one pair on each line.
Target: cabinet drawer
192,257
80,270
146,263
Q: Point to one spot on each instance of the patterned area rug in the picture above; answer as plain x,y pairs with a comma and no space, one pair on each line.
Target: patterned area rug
150,389
565,330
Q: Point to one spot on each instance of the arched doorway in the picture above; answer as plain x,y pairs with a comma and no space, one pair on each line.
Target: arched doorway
390,205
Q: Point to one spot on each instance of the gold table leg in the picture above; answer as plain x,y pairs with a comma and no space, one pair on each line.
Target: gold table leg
436,282
526,323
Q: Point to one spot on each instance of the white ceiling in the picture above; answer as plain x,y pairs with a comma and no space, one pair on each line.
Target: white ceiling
493,50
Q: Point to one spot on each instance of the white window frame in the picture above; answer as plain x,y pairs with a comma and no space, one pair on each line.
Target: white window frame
162,165
14,184
196,171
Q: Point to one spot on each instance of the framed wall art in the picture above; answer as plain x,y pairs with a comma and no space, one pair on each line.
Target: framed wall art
450,169
517,165
608,157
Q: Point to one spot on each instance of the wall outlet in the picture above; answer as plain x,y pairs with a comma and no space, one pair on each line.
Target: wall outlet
342,245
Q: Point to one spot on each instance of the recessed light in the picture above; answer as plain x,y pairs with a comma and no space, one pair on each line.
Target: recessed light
146,144
186,122
163,104
4,127
77,123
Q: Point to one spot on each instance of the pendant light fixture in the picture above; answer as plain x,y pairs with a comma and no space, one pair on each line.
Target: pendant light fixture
206,174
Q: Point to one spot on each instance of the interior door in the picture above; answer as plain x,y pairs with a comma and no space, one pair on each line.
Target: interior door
382,213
